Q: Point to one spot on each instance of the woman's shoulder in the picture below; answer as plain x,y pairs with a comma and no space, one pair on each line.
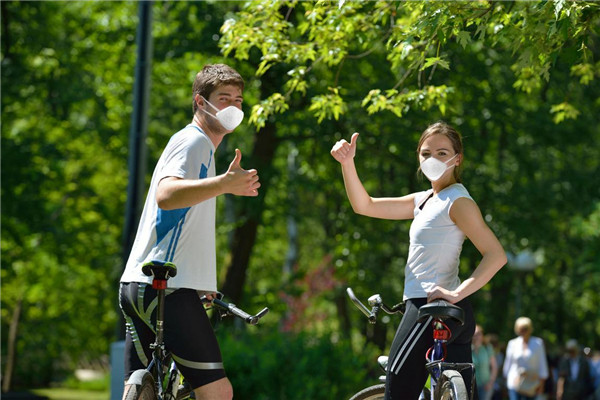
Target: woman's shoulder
514,341
537,340
420,197
454,192
457,190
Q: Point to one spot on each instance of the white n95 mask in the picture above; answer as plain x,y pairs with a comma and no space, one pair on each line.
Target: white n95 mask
229,117
434,168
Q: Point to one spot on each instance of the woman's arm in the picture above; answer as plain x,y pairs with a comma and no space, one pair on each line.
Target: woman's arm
466,215
362,203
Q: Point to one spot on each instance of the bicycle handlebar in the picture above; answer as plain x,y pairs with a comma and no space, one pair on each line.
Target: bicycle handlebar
376,303
370,314
232,309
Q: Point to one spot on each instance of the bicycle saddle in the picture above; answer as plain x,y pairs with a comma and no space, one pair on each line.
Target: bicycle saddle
441,309
159,269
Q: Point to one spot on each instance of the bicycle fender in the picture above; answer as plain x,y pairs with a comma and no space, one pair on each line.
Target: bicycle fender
137,377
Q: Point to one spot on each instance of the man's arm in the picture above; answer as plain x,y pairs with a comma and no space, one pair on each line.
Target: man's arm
173,193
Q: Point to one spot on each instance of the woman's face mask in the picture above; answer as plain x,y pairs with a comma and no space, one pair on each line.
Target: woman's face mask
229,117
434,168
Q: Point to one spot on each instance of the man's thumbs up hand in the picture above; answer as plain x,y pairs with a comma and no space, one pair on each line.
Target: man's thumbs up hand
239,181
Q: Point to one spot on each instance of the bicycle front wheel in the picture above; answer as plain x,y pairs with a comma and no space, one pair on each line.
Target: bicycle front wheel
451,386
141,388
375,392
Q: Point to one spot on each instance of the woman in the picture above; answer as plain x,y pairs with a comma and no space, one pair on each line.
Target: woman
525,365
484,361
442,217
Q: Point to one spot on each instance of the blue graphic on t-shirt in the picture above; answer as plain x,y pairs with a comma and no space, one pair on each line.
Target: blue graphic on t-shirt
173,220
167,221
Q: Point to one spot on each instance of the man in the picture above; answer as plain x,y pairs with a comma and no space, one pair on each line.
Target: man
178,225
574,379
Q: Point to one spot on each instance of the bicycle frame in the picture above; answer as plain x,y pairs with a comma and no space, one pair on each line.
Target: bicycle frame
155,373
436,355
436,364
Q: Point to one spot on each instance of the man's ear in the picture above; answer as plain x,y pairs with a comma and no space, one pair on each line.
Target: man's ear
198,99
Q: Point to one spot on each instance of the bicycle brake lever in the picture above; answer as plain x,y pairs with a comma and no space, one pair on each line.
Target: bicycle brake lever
373,314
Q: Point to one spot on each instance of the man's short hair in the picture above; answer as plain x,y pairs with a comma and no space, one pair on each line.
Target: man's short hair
211,77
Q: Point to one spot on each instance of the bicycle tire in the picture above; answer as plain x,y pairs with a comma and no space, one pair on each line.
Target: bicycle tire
144,387
375,392
451,386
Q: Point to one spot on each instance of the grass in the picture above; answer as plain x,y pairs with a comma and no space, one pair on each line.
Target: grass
74,389
73,394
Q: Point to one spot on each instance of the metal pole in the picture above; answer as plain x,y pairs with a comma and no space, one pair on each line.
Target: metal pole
139,127
137,172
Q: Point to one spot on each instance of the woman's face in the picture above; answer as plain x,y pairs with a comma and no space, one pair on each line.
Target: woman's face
524,331
438,146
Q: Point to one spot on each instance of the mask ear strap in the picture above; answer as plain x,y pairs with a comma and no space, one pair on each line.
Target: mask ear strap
453,157
209,103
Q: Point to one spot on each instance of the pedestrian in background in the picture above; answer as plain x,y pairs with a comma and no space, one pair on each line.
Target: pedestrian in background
484,361
574,379
594,361
525,366
499,390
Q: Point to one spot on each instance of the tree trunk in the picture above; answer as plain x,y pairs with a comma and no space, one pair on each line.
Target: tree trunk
12,346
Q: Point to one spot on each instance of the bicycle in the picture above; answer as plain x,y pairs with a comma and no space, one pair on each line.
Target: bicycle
445,379
161,380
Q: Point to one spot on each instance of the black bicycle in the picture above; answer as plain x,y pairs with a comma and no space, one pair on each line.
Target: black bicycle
446,381
161,380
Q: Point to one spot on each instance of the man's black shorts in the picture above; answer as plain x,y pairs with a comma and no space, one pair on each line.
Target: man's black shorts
189,335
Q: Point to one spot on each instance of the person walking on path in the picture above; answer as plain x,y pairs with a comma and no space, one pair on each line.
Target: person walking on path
484,361
574,377
525,365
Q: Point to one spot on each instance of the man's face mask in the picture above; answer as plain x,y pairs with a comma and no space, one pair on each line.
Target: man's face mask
229,117
434,168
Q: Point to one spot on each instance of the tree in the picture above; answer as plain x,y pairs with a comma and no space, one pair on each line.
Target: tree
472,63
62,185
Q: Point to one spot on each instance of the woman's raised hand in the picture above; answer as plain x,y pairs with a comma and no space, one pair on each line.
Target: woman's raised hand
343,151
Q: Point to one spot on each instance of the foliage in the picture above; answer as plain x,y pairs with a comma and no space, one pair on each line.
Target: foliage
63,188
268,365
517,78
416,38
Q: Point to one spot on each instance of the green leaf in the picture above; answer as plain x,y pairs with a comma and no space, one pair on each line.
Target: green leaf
463,38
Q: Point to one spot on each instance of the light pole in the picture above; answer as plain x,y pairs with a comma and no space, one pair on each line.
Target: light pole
523,262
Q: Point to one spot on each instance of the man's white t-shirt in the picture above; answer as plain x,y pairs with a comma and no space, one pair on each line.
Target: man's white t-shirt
186,236
435,243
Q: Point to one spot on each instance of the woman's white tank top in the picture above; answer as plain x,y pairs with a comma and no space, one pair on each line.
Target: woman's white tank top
435,243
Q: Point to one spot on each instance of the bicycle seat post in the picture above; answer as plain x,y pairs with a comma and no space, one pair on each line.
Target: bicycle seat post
160,272
160,285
